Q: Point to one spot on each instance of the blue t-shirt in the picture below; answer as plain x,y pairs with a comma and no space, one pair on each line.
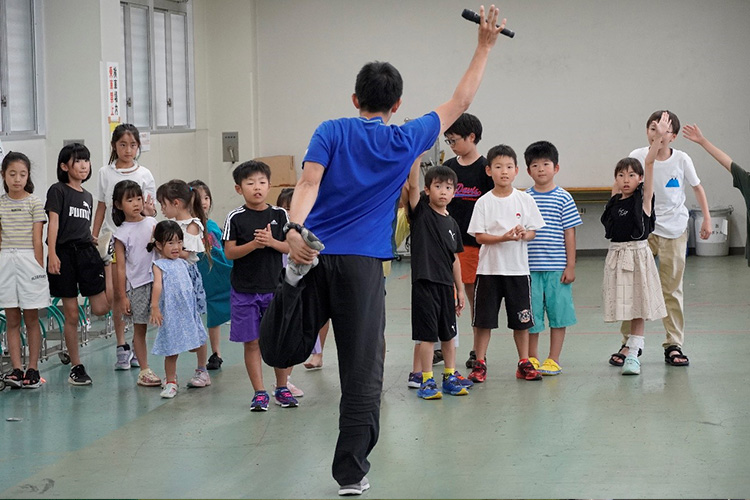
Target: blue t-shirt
366,164
547,250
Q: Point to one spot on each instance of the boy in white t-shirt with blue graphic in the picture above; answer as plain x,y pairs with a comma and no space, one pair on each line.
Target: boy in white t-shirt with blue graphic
552,255
502,222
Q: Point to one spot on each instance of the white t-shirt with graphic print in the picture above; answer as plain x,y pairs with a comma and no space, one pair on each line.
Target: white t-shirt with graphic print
670,177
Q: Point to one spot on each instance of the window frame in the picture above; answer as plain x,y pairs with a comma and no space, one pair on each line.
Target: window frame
37,64
167,7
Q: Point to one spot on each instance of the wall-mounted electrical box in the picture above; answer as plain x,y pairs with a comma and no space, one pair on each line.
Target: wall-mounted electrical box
230,146
72,141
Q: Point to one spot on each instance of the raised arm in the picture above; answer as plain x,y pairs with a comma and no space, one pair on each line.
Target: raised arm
693,133
663,129
469,84
413,184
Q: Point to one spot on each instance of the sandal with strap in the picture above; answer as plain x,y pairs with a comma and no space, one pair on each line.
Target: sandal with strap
618,358
669,358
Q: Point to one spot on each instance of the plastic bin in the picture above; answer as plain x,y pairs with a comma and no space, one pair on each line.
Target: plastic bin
718,243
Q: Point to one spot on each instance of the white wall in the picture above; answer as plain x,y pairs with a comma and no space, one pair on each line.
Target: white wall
583,74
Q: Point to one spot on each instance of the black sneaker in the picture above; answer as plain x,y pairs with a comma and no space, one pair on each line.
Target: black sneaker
32,379
214,362
14,379
472,358
78,376
437,356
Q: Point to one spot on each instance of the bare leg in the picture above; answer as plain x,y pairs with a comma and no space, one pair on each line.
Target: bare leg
100,304
425,355
116,310
534,345
481,342
214,336
254,364
282,376
449,354
416,364
139,345
202,355
170,368
469,290
556,339
33,336
521,337
70,311
13,327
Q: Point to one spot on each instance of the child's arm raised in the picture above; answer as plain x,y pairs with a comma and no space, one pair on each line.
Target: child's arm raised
693,133
663,129
413,183
156,317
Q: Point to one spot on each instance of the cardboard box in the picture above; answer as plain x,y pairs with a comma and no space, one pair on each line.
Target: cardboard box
283,172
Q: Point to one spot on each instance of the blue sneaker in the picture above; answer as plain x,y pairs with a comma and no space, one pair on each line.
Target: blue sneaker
284,398
260,401
452,386
463,380
415,380
429,390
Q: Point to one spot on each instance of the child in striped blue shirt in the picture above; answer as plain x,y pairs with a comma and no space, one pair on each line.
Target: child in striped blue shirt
552,255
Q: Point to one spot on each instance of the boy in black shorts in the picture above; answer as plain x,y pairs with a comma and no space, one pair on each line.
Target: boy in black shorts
502,222
435,269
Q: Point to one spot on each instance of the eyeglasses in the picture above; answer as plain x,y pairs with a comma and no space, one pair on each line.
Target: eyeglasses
451,142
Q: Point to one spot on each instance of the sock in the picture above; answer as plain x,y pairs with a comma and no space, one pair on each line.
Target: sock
634,343
426,376
125,346
448,372
202,368
291,277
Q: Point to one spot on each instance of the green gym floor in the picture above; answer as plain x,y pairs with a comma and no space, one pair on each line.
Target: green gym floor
587,433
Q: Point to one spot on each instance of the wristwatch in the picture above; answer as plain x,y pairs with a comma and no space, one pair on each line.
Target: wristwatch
292,225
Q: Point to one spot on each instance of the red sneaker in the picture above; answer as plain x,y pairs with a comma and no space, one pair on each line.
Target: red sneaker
479,372
526,371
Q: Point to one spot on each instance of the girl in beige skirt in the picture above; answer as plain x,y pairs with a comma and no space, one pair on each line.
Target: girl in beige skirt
631,287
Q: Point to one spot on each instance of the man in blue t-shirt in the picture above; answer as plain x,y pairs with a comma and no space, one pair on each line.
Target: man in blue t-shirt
352,176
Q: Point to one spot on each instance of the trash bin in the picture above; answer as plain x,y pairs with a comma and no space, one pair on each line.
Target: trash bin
717,243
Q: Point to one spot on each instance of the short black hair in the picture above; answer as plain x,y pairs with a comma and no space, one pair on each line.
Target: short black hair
465,125
626,163
379,86
541,150
245,170
501,150
441,173
74,151
656,116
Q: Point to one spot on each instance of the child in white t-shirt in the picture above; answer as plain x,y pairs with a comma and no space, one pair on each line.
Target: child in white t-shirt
502,222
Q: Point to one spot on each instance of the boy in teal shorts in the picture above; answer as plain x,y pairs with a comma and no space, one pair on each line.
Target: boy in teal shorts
552,256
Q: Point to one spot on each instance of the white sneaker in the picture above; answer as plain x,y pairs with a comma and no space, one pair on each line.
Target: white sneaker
169,391
123,358
356,488
200,379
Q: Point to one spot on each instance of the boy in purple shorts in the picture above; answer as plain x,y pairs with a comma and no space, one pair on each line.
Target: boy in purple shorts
254,240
